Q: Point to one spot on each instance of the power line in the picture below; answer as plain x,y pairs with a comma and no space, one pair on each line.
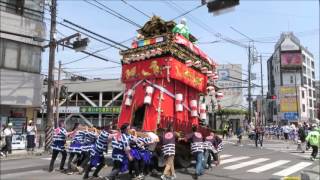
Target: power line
91,54
113,13
95,52
189,11
136,8
96,34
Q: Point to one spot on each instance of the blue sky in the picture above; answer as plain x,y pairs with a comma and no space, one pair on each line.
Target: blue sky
260,20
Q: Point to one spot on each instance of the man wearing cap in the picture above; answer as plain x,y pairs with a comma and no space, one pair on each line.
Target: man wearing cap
8,133
314,139
31,134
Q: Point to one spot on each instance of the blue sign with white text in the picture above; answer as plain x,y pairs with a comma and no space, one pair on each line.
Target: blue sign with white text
291,116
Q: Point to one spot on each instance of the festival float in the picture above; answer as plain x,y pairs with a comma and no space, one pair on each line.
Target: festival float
164,74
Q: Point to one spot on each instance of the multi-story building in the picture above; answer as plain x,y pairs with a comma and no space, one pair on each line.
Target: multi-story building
318,99
22,31
230,84
291,79
92,102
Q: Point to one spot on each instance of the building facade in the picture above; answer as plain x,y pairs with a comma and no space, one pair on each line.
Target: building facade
318,99
291,79
91,102
21,39
230,84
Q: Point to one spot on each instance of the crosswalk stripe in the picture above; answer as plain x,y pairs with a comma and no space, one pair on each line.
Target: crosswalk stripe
233,159
268,166
247,163
223,156
292,169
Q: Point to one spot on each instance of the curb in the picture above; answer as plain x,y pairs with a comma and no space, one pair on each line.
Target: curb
23,156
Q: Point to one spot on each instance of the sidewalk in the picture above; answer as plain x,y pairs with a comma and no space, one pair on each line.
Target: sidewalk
22,154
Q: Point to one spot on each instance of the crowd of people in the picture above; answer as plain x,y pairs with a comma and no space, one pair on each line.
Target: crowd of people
305,135
133,152
7,132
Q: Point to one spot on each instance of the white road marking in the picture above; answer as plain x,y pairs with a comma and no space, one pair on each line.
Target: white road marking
268,166
292,169
223,156
233,159
247,163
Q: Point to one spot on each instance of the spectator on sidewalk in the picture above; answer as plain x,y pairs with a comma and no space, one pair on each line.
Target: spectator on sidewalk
259,135
31,134
286,130
302,138
239,133
225,131
8,133
314,139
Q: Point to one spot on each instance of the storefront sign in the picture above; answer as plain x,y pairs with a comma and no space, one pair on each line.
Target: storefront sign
290,116
288,104
287,91
103,110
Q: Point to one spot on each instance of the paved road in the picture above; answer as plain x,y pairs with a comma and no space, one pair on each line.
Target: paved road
246,162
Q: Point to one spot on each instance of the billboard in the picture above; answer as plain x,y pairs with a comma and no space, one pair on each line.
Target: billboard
223,74
291,59
287,91
288,104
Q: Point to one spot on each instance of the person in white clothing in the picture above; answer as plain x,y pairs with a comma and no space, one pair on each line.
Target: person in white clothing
8,133
31,134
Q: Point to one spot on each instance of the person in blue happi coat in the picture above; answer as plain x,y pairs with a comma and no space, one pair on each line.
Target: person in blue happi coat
58,146
96,154
75,148
120,152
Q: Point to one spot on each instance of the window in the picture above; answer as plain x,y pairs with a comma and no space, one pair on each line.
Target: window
312,64
310,93
11,55
314,94
309,82
27,8
308,61
303,108
302,94
305,80
291,79
313,75
30,59
304,58
20,56
310,103
1,53
304,69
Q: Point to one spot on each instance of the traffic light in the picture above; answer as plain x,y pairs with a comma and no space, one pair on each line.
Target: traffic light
80,45
217,5
273,97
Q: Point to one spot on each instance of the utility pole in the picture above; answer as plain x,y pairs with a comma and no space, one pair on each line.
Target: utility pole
261,77
50,93
249,83
58,94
